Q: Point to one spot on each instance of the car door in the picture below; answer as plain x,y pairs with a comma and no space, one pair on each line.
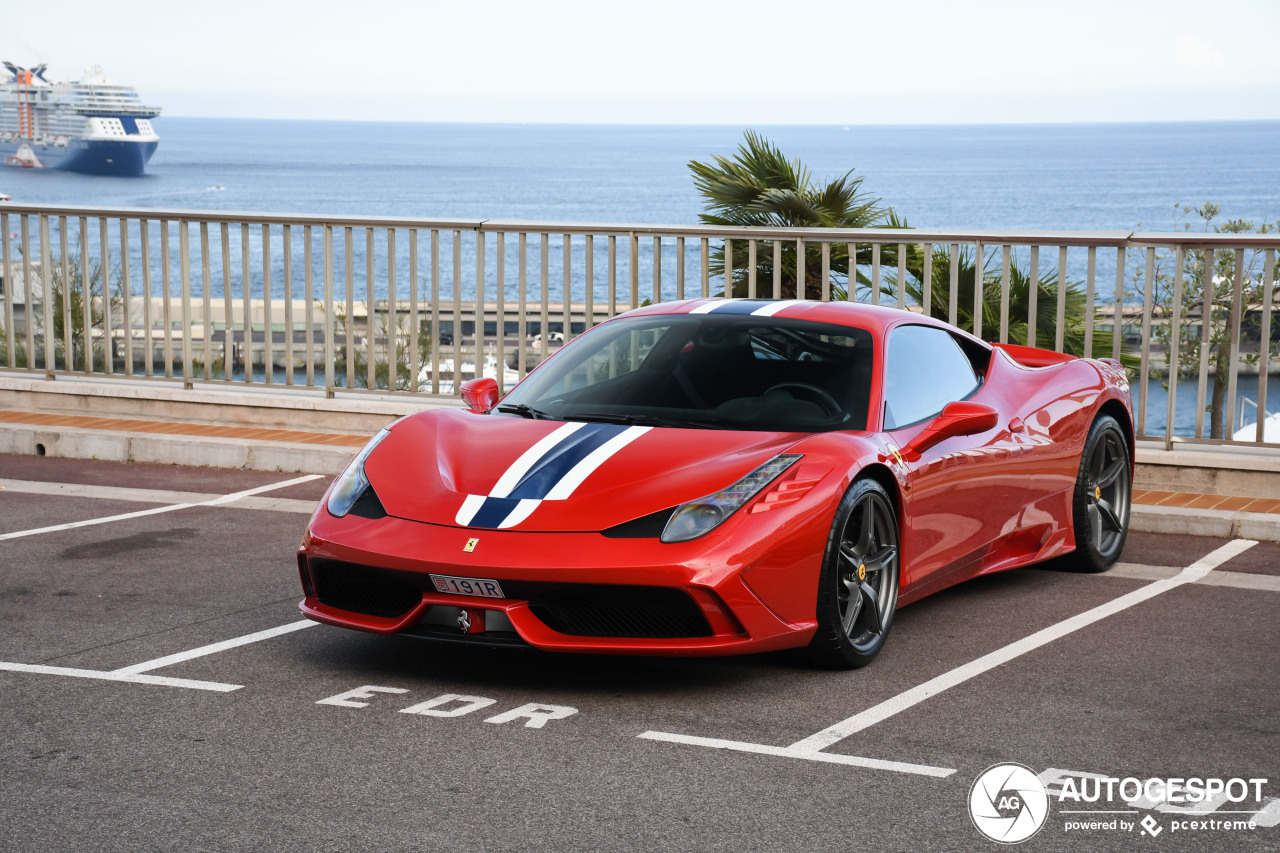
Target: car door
961,493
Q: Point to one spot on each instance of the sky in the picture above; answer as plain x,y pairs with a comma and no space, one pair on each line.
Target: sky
673,61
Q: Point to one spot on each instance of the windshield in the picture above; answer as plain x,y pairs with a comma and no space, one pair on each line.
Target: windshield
706,371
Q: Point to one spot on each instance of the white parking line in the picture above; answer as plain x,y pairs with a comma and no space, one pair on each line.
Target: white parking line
959,675
151,496
135,674
810,748
214,648
159,680
217,501
808,755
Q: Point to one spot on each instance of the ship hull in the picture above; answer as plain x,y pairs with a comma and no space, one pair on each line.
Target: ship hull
92,157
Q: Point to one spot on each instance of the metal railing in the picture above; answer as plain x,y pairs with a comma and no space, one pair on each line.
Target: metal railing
414,306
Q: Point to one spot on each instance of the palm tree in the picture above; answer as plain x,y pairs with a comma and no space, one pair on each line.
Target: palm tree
760,187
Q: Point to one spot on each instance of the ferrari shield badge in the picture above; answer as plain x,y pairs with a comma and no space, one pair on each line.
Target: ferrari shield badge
471,545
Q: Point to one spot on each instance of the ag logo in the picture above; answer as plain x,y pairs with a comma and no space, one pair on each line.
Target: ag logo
1008,803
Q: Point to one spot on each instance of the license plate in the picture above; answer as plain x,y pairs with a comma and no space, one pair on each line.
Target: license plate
482,587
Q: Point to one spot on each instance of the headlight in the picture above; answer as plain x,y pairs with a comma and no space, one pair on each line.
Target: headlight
352,484
699,517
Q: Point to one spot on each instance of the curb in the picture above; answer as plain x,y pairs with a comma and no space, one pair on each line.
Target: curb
1222,524
76,443
202,452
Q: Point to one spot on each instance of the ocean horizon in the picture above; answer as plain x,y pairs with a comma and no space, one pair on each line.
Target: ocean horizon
996,176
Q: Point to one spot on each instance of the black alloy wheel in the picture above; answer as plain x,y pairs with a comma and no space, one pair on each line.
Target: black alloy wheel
1100,506
858,585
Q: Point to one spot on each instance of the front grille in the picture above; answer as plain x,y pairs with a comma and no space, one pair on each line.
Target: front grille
619,611
362,589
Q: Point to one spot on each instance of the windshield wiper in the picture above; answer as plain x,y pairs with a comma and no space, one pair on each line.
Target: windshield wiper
642,420
525,411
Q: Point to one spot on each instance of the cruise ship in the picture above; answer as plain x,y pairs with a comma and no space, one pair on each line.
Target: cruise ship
92,125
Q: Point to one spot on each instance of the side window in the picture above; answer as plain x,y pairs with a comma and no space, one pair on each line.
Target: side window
924,370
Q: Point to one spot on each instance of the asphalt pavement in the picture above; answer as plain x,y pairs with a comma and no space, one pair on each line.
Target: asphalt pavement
160,691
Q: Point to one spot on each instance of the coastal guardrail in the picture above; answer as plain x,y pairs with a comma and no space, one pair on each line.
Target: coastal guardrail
414,306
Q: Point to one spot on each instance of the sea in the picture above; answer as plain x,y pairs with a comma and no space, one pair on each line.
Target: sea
1084,177
1076,177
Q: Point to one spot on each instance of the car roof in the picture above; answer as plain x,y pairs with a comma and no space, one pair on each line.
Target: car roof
877,319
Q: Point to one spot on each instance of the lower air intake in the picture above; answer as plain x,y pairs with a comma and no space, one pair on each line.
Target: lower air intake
361,589
617,611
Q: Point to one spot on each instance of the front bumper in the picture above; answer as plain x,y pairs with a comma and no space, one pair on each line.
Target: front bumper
720,612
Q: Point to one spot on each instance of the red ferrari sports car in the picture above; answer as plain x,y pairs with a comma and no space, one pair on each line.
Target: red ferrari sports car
719,476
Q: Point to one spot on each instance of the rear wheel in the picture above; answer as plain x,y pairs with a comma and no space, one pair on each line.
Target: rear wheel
1100,506
858,585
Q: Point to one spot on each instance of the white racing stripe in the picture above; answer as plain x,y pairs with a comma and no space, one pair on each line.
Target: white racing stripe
916,695
221,500
470,506
774,307
511,478
570,481
523,510
707,307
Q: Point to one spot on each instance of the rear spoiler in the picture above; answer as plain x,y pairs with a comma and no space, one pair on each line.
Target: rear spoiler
1034,356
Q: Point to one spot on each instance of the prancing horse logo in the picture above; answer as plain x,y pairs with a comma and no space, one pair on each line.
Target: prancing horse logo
464,621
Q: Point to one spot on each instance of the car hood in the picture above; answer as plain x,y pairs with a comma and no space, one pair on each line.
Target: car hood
491,471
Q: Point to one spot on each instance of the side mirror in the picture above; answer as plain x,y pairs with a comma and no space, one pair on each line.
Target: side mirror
481,394
959,418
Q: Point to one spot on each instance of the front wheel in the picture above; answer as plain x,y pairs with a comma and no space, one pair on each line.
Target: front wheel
858,584
1100,505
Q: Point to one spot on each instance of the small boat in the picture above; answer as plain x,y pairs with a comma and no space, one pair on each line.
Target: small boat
509,377
1270,430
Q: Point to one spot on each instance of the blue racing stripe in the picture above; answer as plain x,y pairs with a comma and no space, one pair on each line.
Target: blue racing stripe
739,306
493,512
559,460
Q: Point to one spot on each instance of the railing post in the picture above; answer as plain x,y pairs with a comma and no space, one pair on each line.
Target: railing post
1089,302
330,356
979,279
1061,322
1148,296
1206,323
287,247
1264,358
6,268
46,297
68,319
1005,251
415,330
393,316
108,336
206,300
1033,294
1175,337
126,297
184,257
1233,343
228,304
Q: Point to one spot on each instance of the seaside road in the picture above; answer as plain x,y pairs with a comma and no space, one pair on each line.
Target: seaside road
159,691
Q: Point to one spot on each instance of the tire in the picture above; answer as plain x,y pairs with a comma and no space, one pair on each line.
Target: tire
1101,503
858,584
